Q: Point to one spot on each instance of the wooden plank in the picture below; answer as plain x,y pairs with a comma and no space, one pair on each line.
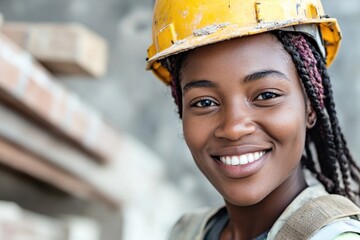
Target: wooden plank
49,152
19,223
64,49
22,160
16,223
29,87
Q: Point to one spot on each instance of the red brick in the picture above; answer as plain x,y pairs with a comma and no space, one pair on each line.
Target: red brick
32,87
62,48
9,76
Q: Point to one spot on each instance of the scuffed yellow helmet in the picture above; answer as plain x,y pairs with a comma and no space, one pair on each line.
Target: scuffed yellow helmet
180,25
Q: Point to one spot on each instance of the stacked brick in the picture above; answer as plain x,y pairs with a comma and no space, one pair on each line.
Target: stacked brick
65,49
17,223
44,132
36,110
28,86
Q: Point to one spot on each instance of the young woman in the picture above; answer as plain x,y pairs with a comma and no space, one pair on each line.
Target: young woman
251,84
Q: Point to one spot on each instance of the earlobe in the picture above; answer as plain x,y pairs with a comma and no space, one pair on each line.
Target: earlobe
311,117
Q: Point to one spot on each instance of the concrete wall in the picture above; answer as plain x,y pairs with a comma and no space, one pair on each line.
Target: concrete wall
134,102
345,72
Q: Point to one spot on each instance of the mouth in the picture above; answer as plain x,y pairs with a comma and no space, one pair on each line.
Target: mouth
243,159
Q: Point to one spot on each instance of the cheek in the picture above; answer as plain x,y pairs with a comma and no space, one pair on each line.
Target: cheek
290,129
196,134
192,134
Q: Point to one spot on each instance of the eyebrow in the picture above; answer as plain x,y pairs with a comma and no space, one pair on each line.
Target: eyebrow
263,74
198,84
249,78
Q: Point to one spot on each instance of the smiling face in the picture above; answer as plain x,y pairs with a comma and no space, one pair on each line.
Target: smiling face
244,116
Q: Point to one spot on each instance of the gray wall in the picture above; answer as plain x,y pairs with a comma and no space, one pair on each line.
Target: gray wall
345,72
133,101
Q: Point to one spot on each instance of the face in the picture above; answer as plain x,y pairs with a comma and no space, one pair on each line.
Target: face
244,116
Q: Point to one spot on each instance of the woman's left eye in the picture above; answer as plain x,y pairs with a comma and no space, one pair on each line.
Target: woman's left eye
266,96
204,103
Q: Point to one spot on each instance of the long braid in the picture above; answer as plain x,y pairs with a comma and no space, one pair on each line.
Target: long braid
174,64
330,137
345,159
295,47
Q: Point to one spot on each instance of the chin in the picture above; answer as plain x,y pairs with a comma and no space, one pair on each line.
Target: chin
247,198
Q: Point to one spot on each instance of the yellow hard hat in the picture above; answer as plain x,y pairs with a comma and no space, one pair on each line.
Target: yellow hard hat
180,25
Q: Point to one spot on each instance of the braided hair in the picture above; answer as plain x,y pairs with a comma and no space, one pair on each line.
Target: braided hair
326,153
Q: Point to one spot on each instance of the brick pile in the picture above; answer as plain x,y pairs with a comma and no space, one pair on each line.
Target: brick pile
30,88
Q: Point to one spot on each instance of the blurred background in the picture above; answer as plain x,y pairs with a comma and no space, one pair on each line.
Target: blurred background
91,146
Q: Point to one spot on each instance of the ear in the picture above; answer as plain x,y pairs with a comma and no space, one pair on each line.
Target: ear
310,115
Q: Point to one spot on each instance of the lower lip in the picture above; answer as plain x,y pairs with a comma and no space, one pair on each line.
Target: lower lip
242,171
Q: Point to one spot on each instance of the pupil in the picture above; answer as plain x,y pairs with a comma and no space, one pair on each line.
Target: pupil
268,95
206,103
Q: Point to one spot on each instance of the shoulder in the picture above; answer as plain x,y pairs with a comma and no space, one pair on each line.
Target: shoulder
348,236
342,229
192,225
324,217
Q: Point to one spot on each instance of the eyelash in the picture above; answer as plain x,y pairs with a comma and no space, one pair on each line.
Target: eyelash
211,103
197,104
274,95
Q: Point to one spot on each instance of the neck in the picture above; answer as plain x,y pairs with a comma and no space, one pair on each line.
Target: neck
248,222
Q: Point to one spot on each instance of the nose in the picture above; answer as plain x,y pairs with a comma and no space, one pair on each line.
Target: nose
235,123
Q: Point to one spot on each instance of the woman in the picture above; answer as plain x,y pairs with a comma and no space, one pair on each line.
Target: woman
251,84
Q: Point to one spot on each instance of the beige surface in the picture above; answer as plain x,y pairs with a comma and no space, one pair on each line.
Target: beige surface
28,87
64,49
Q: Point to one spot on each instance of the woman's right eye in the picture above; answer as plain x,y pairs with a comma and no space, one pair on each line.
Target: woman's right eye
203,103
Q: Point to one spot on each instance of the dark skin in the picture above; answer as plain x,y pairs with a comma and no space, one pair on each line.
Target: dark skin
245,116
264,213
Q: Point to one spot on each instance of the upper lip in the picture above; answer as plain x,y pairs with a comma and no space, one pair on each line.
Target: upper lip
239,150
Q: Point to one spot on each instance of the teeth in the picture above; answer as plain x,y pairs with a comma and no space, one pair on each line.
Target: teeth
228,160
242,159
235,160
251,157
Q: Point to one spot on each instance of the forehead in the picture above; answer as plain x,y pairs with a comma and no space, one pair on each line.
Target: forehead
246,55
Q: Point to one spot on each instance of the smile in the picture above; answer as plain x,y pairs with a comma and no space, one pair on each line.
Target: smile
242,159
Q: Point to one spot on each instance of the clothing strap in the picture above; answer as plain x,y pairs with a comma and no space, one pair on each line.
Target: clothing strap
315,214
192,226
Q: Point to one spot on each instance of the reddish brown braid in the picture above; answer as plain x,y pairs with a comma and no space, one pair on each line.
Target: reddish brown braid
336,168
310,64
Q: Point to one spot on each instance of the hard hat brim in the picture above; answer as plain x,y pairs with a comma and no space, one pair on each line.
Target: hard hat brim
216,33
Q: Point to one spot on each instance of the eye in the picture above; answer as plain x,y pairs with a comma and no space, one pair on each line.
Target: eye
204,103
267,95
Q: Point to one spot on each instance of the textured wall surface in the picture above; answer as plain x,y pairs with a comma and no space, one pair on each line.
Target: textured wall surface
133,101
345,72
